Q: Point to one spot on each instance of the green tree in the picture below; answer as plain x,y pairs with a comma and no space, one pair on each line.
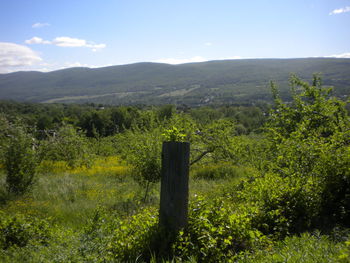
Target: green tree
67,144
310,138
21,161
142,150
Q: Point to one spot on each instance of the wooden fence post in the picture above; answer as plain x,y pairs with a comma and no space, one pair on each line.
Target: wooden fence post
174,186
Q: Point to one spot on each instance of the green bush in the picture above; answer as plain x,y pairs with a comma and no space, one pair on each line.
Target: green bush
5,127
310,141
109,239
68,145
283,205
216,233
345,252
20,162
21,230
142,150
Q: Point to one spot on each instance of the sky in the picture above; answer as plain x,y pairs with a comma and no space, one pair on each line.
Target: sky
47,35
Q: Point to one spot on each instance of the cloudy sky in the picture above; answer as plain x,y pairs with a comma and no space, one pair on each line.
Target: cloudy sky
47,35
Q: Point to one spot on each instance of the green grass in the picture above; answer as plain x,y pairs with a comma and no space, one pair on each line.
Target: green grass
69,198
307,248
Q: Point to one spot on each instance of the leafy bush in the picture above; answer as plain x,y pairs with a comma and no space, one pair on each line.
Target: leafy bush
216,233
20,161
108,239
253,150
21,230
283,205
310,143
132,239
174,135
67,145
142,150
5,127
345,252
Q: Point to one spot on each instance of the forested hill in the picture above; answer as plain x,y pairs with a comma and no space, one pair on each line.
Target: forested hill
225,81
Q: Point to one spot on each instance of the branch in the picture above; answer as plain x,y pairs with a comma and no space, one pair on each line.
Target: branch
201,156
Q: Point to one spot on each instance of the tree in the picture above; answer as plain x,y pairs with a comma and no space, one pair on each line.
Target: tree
68,145
21,161
311,143
142,150
312,112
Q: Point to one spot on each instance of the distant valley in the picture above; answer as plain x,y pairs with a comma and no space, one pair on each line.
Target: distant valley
213,82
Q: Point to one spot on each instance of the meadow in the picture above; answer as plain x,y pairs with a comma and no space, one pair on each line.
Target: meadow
268,184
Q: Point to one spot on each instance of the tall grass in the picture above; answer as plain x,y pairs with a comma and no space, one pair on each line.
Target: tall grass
307,248
70,196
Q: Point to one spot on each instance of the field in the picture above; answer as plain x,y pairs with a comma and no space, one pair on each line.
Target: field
69,199
268,184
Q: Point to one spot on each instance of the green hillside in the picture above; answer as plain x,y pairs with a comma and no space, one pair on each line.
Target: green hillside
226,81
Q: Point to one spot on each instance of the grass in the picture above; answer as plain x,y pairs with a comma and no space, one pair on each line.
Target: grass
70,195
69,198
217,180
306,248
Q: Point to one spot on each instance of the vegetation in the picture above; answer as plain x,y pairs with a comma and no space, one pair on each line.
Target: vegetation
206,83
20,160
80,183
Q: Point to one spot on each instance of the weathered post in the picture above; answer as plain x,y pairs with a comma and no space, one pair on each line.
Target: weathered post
174,186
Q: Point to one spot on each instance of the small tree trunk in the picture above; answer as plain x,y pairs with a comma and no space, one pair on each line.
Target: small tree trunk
174,186
146,193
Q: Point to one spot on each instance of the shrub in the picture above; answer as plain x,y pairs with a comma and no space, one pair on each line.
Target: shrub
142,150
310,138
345,252
111,239
20,162
216,233
174,135
283,205
5,127
21,230
67,145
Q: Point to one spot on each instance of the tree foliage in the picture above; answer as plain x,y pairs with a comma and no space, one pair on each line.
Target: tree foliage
67,144
21,161
311,137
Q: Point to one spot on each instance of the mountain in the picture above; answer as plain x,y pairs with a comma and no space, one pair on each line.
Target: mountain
224,81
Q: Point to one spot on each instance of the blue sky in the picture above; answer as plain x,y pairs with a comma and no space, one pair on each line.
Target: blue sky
53,34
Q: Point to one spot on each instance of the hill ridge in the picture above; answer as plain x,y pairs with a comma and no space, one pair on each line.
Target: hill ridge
217,81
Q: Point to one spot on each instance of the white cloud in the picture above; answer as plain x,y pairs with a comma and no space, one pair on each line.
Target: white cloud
234,57
195,59
343,55
78,64
76,42
14,57
340,10
67,42
37,40
181,60
39,25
